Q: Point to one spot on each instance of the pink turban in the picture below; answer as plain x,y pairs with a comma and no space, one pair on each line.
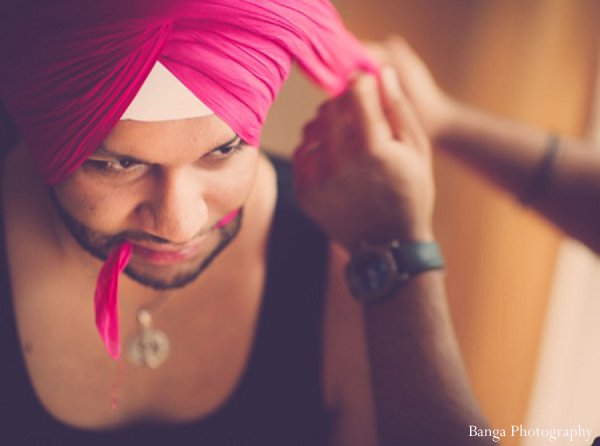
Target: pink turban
70,68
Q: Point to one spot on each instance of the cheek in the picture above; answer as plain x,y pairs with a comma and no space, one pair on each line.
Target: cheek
93,206
230,188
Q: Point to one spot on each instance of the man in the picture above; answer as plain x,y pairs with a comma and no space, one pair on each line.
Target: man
238,319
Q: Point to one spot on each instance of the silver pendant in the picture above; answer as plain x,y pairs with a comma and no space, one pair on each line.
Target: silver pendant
149,347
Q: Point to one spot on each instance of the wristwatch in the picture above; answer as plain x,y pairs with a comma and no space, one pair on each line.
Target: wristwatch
375,271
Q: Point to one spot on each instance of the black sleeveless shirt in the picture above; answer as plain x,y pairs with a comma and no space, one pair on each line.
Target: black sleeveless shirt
278,400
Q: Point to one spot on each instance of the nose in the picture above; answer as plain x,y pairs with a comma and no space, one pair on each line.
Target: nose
175,210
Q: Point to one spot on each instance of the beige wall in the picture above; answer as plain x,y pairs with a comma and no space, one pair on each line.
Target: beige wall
532,60
566,390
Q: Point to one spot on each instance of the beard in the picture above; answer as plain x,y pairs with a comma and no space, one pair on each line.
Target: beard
160,277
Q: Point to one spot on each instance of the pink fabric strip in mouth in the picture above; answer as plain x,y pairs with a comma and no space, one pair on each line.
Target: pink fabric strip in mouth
106,301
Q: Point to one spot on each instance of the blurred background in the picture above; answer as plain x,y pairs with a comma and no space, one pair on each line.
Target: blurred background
523,298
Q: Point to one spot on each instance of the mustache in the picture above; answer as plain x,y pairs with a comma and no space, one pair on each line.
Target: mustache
133,236
106,242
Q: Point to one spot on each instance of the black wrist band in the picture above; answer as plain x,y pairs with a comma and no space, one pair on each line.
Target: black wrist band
540,179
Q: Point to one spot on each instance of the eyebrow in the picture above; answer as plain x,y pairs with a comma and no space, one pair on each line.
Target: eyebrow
102,150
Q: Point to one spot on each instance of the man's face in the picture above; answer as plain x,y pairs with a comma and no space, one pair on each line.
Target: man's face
166,188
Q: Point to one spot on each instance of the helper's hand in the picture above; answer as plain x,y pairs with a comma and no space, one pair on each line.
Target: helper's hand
434,108
363,170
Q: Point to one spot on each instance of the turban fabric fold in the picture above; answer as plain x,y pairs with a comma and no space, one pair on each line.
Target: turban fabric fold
70,68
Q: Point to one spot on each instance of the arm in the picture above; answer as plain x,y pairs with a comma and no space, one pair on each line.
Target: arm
363,172
506,152
422,392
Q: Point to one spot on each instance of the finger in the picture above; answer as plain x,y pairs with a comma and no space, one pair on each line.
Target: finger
307,170
338,131
312,129
319,127
328,133
402,119
366,104
402,54
410,68
378,52
312,137
306,148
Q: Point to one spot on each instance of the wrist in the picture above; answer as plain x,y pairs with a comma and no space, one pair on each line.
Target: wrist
376,271
409,234
417,229
419,233
450,121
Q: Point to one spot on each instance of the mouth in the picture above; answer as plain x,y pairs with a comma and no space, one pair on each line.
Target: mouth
168,254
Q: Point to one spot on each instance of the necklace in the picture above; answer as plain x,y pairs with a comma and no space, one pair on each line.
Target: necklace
149,347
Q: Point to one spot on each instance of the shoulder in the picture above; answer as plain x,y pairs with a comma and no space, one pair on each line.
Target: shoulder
285,183
345,373
283,166
292,227
26,211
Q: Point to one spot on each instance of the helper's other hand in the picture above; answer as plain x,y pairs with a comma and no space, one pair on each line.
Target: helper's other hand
363,170
434,108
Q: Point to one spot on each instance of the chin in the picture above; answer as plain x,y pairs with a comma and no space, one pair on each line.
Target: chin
177,275
164,281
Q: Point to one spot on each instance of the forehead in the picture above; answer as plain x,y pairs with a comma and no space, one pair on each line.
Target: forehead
167,141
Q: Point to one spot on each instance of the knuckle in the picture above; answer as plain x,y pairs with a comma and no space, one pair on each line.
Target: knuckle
394,41
329,108
342,98
324,107
363,84
310,128
357,95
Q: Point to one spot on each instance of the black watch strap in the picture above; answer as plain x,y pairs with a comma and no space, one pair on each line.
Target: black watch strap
375,270
416,257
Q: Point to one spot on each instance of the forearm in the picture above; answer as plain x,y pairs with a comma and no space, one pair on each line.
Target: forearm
366,178
421,390
510,154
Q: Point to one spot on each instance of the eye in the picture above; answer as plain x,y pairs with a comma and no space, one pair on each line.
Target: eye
115,166
226,151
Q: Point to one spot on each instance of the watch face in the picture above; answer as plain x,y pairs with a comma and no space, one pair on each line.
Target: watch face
370,274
